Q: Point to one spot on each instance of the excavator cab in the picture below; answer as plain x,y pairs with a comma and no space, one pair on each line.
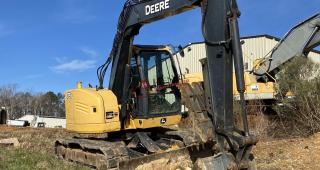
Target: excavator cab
153,85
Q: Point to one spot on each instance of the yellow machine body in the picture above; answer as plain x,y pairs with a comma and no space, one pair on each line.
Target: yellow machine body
87,110
254,90
91,111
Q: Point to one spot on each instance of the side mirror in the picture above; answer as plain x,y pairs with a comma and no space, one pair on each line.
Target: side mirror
181,52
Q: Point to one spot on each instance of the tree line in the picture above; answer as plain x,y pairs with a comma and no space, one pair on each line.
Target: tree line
18,103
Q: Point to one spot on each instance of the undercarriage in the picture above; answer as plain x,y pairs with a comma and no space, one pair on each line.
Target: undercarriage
134,149
192,141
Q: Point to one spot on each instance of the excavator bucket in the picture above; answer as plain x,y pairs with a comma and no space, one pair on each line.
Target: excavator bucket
220,161
198,120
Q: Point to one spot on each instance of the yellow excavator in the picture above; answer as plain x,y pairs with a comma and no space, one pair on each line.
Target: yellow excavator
138,119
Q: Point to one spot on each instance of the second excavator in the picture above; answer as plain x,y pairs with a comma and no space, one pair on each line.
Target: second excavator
261,80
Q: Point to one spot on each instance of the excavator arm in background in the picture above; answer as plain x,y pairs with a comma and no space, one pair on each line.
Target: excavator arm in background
299,41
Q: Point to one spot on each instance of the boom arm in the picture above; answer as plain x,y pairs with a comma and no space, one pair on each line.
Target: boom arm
134,15
300,40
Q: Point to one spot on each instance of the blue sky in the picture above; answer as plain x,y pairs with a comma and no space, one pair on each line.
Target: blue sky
51,44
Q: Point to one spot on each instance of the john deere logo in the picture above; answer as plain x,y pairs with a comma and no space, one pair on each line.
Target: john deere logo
163,121
157,7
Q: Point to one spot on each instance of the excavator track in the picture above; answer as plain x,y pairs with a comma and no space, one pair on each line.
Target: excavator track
94,153
124,154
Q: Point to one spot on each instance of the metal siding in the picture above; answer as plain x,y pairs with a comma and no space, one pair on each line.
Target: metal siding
191,59
253,49
256,48
315,57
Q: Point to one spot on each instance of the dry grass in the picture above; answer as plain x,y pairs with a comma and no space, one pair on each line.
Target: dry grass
259,123
32,139
20,158
288,154
36,150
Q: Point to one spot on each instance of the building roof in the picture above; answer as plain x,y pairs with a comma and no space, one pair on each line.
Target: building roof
254,36
28,118
261,35
273,38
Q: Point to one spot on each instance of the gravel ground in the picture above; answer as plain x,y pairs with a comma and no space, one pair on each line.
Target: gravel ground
288,154
271,154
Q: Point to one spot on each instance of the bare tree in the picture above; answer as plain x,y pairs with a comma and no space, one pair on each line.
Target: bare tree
7,98
23,103
303,110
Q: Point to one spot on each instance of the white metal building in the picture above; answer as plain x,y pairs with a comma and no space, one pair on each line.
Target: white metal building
38,122
254,47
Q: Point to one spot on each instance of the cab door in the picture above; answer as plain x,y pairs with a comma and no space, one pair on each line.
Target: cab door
154,85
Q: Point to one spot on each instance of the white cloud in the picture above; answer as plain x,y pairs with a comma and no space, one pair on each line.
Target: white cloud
74,65
88,51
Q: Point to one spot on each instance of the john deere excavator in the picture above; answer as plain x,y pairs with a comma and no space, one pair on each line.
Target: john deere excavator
135,121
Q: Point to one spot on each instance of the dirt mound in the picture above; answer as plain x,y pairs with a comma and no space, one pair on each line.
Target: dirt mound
177,163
